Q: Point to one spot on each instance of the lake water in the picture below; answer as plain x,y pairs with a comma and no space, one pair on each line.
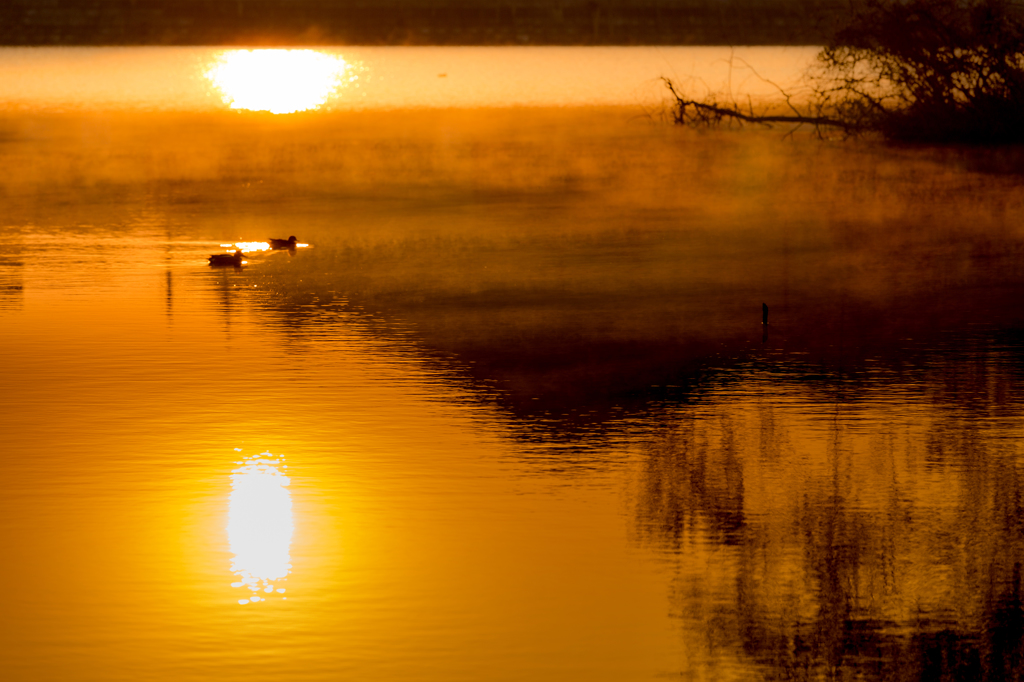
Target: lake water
173,79
513,414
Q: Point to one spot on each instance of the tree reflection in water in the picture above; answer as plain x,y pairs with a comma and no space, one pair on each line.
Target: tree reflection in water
815,536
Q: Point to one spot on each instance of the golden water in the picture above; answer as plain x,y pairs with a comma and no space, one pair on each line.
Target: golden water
359,78
513,414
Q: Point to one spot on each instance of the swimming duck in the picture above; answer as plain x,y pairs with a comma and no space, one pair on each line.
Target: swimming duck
234,259
283,243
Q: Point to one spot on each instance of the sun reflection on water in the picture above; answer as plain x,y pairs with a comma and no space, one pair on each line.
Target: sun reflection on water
278,81
260,526
256,246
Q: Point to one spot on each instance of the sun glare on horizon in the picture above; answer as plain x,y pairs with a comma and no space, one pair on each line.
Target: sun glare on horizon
278,81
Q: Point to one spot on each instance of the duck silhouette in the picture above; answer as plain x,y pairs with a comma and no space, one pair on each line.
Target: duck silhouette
234,259
283,243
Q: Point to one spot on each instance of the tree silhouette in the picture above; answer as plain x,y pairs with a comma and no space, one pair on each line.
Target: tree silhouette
917,71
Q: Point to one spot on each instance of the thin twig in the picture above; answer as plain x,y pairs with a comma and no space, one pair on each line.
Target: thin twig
707,112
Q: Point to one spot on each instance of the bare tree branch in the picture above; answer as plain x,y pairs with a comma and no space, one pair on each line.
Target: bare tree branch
708,113
912,70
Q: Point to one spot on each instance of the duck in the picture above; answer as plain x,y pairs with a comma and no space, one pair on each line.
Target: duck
284,243
234,259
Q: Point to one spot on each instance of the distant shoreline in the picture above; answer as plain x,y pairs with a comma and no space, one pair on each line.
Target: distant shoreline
173,78
415,22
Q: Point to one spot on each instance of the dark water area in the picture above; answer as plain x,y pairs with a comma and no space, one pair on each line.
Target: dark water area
534,425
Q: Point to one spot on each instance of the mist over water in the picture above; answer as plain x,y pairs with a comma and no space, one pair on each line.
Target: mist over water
514,413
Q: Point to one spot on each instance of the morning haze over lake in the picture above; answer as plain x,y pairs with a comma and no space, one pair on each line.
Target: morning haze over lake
545,386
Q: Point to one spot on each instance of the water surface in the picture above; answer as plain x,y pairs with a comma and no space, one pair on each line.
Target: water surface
513,414
174,78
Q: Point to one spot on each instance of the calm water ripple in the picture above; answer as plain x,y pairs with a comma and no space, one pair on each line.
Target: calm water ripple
513,414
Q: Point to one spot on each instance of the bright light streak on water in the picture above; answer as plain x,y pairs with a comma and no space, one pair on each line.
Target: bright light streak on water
255,246
248,246
260,526
278,81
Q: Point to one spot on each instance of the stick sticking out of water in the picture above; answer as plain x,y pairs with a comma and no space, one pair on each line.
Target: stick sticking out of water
764,313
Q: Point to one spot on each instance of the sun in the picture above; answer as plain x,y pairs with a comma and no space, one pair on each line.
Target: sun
278,81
